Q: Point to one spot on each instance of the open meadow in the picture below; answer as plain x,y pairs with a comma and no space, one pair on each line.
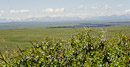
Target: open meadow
12,37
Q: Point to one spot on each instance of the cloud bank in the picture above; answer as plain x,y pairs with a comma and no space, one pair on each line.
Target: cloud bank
19,11
127,11
51,10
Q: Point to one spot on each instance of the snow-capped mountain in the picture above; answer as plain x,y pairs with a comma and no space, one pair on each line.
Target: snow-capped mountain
112,17
47,18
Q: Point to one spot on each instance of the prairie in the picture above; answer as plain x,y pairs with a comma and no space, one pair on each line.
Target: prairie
12,37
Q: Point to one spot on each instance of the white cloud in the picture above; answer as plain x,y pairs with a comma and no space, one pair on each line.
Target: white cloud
106,7
50,10
118,13
19,11
2,11
59,10
30,16
81,7
94,7
127,11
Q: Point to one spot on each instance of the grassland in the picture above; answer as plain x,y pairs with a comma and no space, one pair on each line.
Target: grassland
22,37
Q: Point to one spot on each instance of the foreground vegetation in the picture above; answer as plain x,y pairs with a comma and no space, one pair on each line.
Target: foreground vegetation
83,49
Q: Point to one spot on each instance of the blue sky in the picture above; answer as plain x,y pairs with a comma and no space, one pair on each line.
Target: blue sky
21,9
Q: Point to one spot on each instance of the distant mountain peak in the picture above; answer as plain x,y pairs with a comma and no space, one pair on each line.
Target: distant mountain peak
61,18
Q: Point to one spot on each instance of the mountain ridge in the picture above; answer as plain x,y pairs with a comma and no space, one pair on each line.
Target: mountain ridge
47,18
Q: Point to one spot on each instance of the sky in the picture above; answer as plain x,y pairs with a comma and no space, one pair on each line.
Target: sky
21,9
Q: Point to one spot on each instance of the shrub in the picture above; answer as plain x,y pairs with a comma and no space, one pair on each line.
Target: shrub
83,49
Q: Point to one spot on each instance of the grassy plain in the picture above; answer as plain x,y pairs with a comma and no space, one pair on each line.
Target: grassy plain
22,37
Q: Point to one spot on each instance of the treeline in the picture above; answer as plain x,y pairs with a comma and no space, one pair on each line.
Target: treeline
85,25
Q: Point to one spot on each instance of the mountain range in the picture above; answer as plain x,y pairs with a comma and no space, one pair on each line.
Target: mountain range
112,17
47,18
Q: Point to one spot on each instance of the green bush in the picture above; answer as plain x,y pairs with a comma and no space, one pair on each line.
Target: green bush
83,49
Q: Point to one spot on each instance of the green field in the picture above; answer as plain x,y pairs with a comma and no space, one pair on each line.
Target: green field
22,37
